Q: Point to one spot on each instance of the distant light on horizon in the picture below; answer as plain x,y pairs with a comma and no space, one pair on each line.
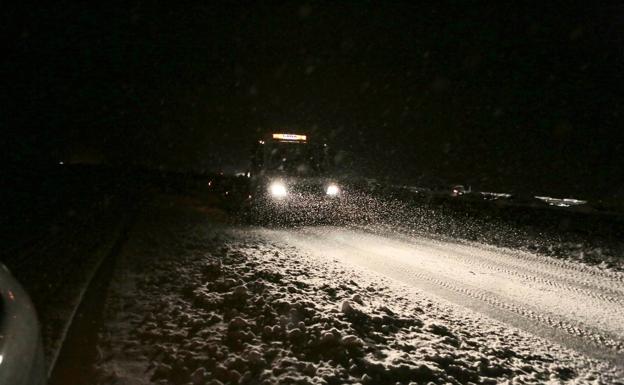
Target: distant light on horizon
561,202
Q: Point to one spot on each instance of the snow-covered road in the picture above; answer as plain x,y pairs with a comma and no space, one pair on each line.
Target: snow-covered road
196,300
577,305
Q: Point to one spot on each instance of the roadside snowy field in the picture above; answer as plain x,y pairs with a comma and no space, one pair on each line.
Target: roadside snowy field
198,301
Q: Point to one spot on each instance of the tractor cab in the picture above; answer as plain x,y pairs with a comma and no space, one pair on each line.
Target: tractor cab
290,167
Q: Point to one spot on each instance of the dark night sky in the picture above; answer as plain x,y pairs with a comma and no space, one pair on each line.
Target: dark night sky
525,99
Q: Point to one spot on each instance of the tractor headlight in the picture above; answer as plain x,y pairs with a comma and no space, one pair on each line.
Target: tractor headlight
332,190
278,190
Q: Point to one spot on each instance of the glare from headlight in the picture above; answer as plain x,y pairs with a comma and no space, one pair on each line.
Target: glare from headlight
332,190
278,190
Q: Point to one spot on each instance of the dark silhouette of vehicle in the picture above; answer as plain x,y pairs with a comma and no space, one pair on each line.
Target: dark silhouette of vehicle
292,176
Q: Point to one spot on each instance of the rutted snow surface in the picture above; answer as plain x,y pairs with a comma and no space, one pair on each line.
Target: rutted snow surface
200,303
582,301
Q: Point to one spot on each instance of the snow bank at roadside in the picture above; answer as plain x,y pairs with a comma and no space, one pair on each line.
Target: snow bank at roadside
195,303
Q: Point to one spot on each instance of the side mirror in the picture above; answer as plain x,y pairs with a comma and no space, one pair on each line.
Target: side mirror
21,352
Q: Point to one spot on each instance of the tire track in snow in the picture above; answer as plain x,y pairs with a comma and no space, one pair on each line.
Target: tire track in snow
492,299
520,258
363,253
551,320
590,289
584,276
